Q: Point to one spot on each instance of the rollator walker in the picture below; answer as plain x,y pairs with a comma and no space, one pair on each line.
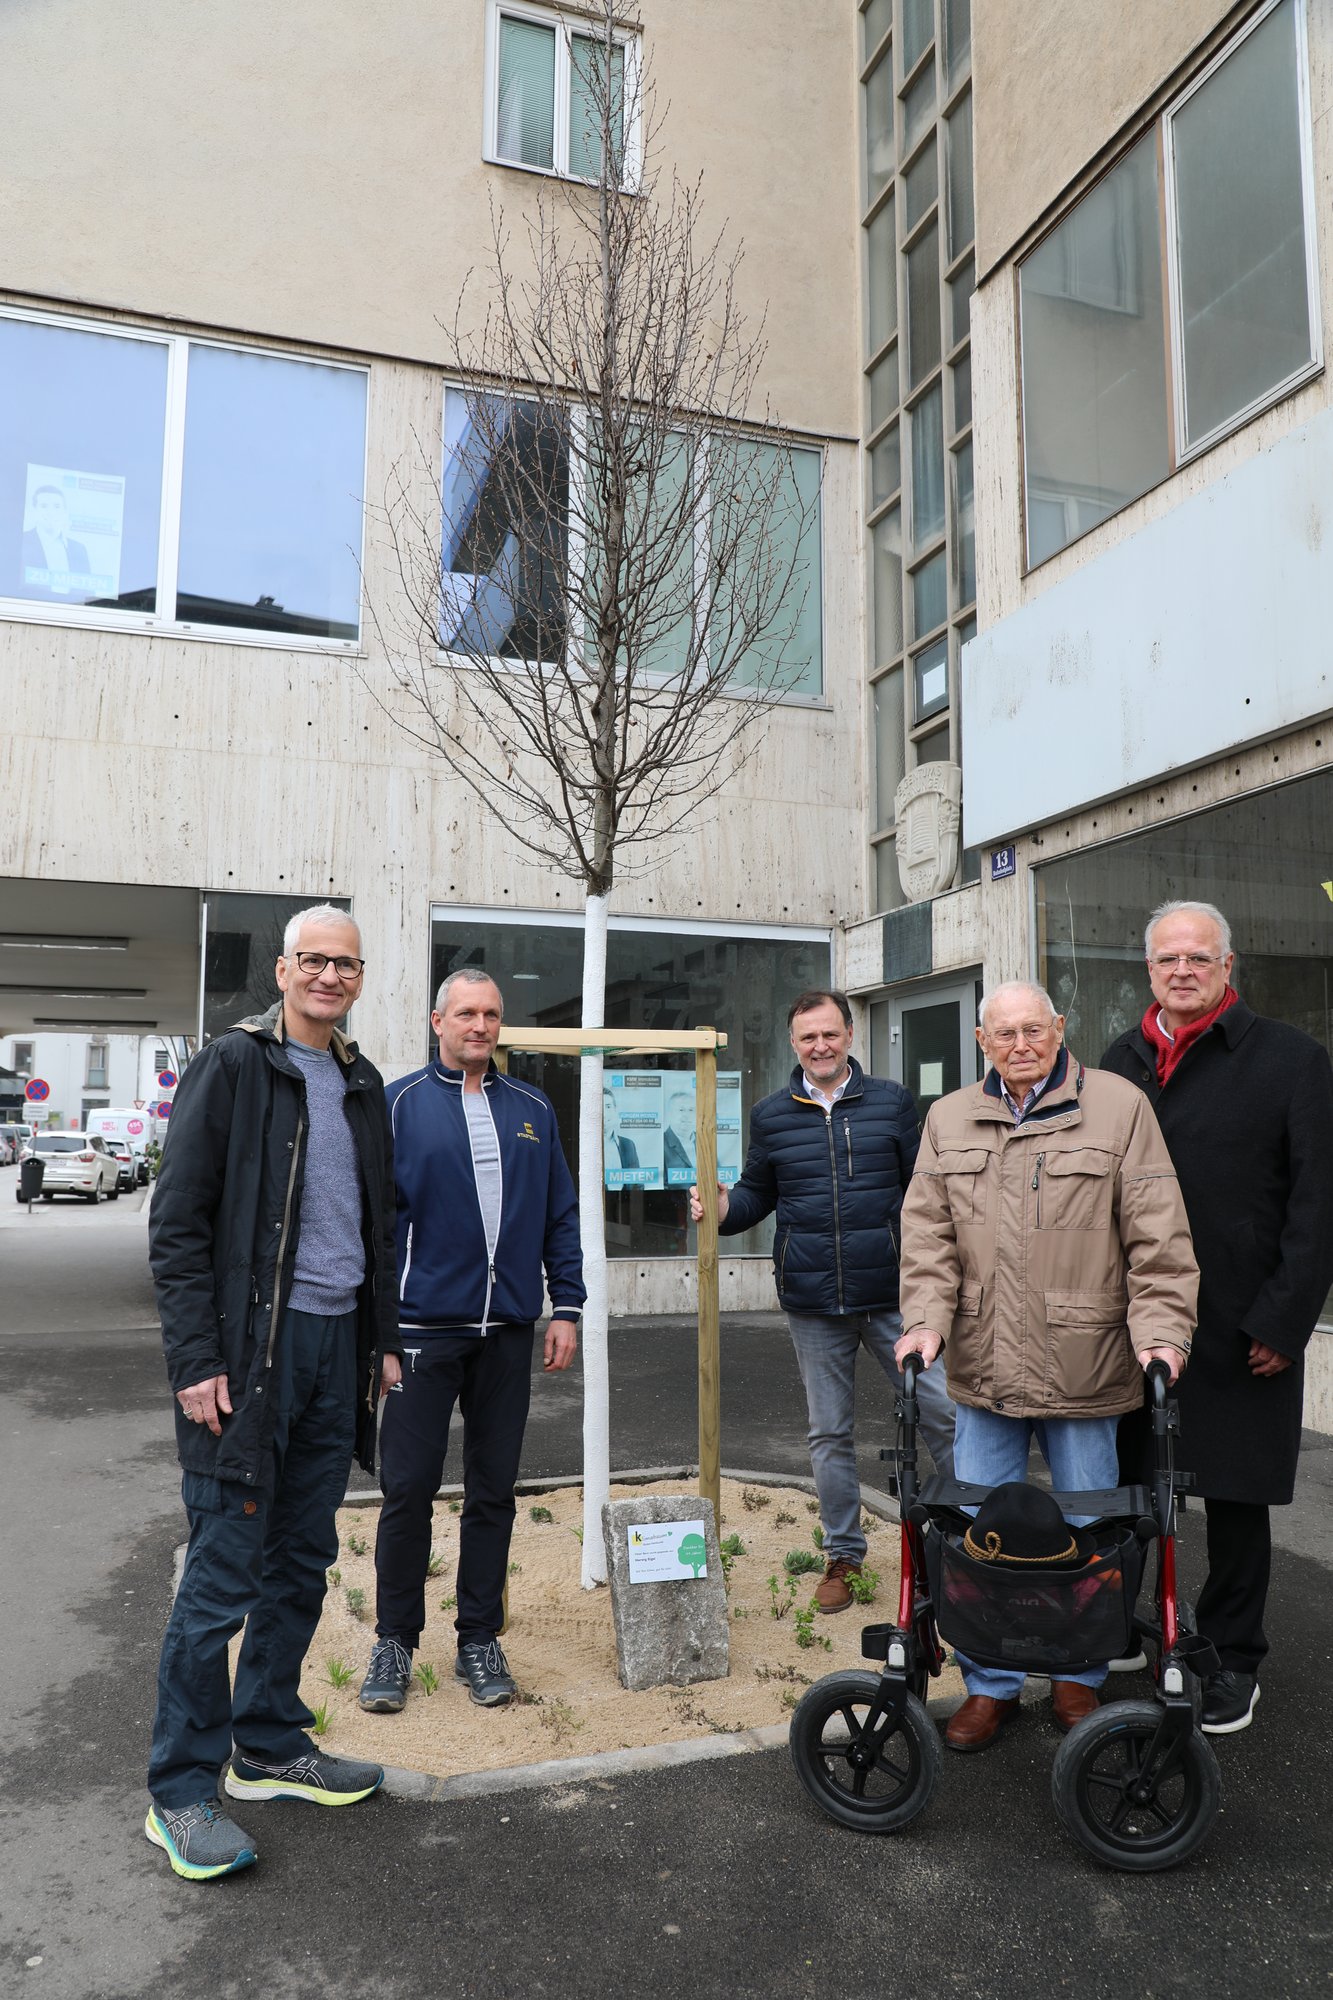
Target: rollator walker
1135,1782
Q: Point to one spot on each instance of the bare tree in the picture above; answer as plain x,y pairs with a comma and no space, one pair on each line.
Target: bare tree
618,590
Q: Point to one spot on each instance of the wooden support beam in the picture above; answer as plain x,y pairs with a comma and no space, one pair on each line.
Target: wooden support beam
612,1041
710,1349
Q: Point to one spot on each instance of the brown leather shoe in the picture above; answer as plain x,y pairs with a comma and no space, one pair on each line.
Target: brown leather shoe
832,1592
1071,1701
979,1721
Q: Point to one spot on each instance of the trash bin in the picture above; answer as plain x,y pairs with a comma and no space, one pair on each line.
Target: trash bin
30,1178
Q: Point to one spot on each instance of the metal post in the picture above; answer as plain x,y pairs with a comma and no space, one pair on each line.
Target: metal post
710,1351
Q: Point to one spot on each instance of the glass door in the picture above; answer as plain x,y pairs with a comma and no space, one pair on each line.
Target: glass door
923,1037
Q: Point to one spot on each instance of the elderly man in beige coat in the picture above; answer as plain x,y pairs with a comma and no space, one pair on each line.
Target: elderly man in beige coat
1046,1249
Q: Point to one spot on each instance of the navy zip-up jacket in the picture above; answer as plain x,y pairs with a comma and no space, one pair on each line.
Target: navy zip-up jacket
837,1181
445,1282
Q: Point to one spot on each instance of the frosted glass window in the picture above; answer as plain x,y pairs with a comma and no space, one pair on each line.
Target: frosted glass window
890,744
962,218
923,307
883,390
875,24
885,469
889,894
920,187
918,29
886,543
933,749
525,124
927,469
878,97
789,656
964,525
588,92
957,38
1240,225
881,279
930,596
962,392
919,108
1094,362
960,303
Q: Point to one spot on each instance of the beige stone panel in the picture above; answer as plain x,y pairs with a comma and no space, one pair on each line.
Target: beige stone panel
1055,81
997,448
314,172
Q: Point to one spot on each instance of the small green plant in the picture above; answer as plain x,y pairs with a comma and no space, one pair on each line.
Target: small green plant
817,1537
516,1569
806,1634
356,1601
557,1716
785,1672
863,1586
789,1698
334,1578
448,1604
540,1514
455,1506
339,1673
356,1544
782,1519
425,1673
780,1602
320,1720
812,1506
801,1562
740,1611
577,1534
732,1545
752,1499
434,1564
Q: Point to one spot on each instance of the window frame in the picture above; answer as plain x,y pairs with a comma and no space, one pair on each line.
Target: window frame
102,618
566,26
790,698
1179,452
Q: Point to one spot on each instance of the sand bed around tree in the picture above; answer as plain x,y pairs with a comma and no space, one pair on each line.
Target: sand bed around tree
561,1644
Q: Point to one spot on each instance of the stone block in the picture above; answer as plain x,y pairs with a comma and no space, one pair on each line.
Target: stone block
672,1632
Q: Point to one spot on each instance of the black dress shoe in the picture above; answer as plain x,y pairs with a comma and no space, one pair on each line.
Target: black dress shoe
1228,1702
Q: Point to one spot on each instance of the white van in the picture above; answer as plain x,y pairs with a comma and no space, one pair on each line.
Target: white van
135,1127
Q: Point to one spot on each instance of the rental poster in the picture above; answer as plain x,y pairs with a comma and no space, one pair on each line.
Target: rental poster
72,528
648,1128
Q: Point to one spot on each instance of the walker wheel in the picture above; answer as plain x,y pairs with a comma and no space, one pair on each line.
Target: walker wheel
876,1783
1123,1817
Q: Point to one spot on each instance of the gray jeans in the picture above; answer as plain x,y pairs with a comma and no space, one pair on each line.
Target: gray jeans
826,1347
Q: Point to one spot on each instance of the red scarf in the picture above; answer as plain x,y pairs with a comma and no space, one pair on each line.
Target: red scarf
1169,1050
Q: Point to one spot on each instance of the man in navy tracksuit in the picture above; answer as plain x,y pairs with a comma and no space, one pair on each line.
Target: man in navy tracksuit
485,1201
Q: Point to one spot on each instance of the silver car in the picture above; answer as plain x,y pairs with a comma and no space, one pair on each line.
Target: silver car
76,1163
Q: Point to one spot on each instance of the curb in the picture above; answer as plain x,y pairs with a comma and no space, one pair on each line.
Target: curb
560,1771
881,1504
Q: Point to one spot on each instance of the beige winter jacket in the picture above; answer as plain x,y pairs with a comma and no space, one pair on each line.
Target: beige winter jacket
1045,1254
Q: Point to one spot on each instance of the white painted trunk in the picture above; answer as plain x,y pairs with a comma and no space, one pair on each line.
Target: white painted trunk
592,1229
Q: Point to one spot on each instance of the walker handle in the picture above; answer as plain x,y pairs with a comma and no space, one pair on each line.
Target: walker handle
1159,1376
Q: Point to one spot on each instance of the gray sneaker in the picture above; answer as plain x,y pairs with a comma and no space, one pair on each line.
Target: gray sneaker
388,1677
200,1841
325,1780
486,1671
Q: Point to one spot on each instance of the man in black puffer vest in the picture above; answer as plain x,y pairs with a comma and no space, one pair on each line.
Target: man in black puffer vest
833,1153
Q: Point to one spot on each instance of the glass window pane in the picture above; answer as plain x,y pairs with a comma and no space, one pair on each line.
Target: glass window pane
788,654
918,29
885,469
588,93
889,894
927,469
879,126
964,526
930,676
930,600
1094,365
962,215
1240,225
81,425
918,108
923,307
890,744
920,187
881,280
883,390
525,120
659,554
957,38
875,24
242,944
271,494
960,302
886,544
962,392
505,496
933,749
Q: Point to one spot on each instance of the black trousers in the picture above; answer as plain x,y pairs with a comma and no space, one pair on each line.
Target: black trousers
490,1379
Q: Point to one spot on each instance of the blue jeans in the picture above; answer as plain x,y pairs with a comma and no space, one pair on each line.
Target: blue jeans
258,1559
826,1347
990,1450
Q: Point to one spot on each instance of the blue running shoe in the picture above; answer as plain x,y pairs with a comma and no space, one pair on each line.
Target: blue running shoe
200,1841
325,1780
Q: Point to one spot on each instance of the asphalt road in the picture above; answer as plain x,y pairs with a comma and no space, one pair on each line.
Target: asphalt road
708,1879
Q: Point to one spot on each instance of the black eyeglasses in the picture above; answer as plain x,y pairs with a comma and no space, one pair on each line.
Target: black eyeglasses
315,961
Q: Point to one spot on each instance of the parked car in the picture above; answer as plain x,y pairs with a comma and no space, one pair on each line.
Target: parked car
11,1144
76,1163
127,1167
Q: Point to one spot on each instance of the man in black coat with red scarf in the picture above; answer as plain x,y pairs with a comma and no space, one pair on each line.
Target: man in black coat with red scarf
1246,1107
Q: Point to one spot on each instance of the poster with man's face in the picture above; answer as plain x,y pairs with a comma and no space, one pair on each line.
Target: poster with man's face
632,1128
71,535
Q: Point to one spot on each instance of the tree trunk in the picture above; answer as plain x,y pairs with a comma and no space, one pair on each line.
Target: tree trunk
592,1229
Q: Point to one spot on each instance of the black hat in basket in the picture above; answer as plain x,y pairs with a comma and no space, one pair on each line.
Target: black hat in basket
1022,1525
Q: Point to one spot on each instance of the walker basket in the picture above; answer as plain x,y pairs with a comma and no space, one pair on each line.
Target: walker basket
1034,1618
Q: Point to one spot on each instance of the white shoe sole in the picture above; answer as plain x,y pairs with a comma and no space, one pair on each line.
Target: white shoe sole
1241,1722
266,1788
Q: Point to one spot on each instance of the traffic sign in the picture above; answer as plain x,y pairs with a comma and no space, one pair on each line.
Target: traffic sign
37,1090
166,1079
164,1109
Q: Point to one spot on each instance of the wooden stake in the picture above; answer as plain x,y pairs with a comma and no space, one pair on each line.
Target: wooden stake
710,1351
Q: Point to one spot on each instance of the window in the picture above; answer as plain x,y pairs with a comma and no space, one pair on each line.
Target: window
879,126
95,1079
173,483
658,974
881,284
930,601
550,98
928,468
503,576
923,307
23,1058
161,1060
1105,358
930,674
